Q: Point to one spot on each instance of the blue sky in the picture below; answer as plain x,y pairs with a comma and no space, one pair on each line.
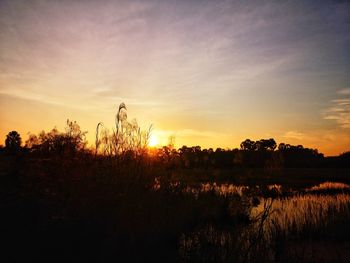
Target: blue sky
209,72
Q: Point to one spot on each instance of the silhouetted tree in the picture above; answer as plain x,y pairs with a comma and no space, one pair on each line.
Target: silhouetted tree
298,156
248,145
282,146
265,145
13,141
54,142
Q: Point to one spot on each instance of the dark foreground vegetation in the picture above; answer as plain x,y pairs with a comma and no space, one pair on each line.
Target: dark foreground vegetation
121,202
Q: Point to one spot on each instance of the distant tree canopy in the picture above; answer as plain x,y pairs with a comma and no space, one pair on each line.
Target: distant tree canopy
261,145
55,142
13,141
248,145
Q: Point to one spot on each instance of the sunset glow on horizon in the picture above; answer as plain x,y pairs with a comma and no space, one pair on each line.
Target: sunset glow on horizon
208,73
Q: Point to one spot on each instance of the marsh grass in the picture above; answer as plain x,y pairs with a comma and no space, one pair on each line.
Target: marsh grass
126,137
307,217
329,187
284,229
302,213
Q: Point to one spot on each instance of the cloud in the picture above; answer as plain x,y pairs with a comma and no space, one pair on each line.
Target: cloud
41,98
339,112
344,91
340,109
86,103
294,135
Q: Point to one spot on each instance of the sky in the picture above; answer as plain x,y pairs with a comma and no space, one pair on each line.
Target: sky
209,73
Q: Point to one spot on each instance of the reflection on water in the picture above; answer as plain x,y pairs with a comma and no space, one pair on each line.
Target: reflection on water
329,186
226,189
273,224
296,213
220,189
223,189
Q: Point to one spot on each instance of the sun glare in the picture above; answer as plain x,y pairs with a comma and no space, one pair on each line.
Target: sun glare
153,141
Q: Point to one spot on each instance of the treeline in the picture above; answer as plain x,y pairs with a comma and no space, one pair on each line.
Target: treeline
263,153
252,154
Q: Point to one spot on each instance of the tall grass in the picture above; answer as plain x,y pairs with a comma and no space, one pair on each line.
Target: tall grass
301,212
126,137
329,186
276,232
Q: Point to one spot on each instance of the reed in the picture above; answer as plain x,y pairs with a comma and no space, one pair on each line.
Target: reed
127,136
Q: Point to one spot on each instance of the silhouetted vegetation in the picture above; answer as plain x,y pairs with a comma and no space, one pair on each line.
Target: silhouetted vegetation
13,141
121,201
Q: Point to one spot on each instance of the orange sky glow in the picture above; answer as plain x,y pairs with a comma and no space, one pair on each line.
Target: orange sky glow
208,73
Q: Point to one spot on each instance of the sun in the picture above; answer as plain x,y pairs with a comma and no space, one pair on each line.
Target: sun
153,141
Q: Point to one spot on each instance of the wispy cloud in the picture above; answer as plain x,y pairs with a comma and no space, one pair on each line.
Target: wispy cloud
217,65
340,112
85,103
294,135
344,91
340,109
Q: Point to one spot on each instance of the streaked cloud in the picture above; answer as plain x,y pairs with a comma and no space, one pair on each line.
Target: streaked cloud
294,135
212,71
344,91
339,112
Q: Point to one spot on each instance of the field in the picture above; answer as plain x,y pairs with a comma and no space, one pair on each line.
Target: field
124,209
